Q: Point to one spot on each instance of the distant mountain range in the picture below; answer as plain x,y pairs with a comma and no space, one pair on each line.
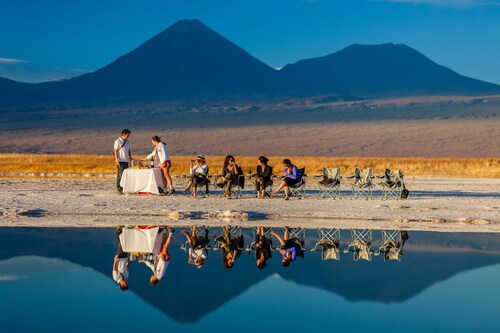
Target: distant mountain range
189,61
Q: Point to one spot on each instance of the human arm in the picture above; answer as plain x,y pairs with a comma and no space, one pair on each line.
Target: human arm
280,239
292,172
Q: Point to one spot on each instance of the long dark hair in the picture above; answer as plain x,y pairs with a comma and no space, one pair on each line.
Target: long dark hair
226,160
156,138
263,160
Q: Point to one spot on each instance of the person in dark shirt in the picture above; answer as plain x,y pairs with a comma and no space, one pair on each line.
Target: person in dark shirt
264,174
230,175
262,247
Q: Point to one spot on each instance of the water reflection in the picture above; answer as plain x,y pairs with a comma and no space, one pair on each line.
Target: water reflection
328,283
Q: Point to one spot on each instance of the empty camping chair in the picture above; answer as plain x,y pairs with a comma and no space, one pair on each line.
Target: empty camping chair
392,244
299,190
362,185
330,185
392,184
329,240
361,242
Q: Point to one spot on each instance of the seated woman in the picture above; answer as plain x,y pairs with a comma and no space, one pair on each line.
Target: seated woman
290,249
290,177
231,247
197,252
230,175
262,247
264,174
199,176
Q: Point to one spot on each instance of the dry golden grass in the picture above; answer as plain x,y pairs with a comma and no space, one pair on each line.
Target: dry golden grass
412,167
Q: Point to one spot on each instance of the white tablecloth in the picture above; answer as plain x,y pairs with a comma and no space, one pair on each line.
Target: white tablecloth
141,180
141,240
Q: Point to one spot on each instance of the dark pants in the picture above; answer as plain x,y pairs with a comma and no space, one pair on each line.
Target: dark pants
119,250
119,173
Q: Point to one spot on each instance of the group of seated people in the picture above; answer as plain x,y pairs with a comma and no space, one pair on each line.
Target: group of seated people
232,174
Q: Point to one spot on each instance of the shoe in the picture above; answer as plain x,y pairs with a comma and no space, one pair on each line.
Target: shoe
171,230
119,192
286,197
171,192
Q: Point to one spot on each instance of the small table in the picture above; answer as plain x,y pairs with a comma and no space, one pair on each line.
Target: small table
141,181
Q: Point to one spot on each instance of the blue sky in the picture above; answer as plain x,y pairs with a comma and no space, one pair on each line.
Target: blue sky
52,39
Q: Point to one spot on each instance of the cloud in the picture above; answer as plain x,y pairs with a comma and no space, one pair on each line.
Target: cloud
7,278
12,61
450,2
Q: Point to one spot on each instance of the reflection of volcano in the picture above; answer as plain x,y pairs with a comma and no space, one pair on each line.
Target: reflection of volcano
423,265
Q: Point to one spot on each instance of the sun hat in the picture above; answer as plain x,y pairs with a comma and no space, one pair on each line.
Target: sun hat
200,157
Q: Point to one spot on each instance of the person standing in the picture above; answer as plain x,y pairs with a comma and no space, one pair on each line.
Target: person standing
161,260
162,160
122,156
120,263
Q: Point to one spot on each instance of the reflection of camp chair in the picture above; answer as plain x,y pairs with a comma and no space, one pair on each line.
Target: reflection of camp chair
299,190
392,244
236,187
267,233
362,185
202,239
330,185
298,236
329,240
361,242
392,184
234,232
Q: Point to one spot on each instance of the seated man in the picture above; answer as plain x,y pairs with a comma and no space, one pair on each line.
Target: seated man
121,263
290,249
199,176
197,252
161,260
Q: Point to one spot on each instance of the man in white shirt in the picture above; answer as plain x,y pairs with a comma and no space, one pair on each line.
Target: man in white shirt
161,159
120,264
161,260
122,156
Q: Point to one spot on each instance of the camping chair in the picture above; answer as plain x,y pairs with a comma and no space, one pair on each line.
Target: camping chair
329,240
299,190
362,185
267,234
330,185
235,232
236,188
200,232
202,187
392,244
392,184
361,242
269,184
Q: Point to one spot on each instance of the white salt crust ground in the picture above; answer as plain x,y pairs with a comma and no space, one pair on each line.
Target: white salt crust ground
453,205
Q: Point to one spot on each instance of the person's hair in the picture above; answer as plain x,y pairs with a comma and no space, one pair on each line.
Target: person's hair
263,160
226,160
125,131
153,281
286,161
262,264
156,138
124,286
285,263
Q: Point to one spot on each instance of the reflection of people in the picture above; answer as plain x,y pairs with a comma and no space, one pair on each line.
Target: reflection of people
160,260
264,175
121,262
262,247
199,175
197,252
290,176
231,247
162,160
122,155
290,248
230,175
